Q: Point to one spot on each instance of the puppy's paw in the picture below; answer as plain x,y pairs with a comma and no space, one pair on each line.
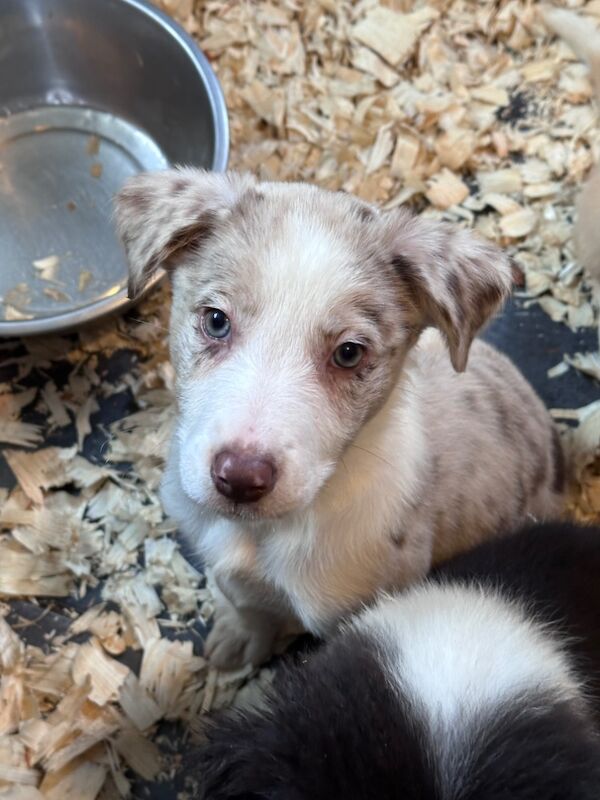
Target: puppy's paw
236,641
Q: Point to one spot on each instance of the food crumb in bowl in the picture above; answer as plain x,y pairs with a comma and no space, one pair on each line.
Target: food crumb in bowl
55,294
18,296
93,145
85,277
11,313
96,170
47,267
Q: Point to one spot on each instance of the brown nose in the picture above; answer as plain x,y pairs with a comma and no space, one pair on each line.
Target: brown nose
242,477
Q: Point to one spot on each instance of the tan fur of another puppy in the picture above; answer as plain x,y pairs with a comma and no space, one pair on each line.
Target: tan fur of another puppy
583,37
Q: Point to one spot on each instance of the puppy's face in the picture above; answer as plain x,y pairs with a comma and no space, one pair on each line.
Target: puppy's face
286,336
293,309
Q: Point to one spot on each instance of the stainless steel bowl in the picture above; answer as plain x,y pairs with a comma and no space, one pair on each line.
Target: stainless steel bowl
91,92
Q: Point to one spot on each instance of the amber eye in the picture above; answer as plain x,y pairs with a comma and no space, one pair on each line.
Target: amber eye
216,323
348,355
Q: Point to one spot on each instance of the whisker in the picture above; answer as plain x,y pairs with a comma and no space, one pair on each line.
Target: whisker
371,453
148,322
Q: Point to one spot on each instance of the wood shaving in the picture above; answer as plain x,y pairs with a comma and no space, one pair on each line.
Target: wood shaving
47,268
470,112
82,419
56,407
12,313
56,294
85,278
24,434
390,34
12,429
558,370
588,363
446,189
18,298
519,223
93,146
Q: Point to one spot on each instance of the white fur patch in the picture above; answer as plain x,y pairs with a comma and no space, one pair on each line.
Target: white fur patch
461,652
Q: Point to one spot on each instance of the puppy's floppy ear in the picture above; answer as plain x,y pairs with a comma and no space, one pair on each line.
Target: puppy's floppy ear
451,279
160,214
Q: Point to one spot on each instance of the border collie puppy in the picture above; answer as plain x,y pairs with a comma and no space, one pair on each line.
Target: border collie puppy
481,684
328,448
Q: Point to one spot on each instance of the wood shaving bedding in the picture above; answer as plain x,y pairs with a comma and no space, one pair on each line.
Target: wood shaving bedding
468,110
75,719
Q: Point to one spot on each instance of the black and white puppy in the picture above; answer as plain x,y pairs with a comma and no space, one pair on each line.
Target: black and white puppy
481,684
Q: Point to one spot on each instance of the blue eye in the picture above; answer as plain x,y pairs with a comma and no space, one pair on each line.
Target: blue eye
348,355
216,323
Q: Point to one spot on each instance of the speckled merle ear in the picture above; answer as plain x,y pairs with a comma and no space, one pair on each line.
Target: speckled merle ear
161,214
451,279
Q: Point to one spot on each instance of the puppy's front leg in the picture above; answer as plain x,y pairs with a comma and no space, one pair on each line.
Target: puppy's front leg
247,624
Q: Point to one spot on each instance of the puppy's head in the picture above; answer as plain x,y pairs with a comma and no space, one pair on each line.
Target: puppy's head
293,309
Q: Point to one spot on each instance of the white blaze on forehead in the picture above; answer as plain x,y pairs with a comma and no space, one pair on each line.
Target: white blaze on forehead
307,266
462,650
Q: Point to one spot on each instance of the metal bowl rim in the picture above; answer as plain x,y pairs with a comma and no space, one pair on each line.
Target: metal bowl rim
69,320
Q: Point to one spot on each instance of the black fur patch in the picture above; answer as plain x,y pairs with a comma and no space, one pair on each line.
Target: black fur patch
534,748
334,729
